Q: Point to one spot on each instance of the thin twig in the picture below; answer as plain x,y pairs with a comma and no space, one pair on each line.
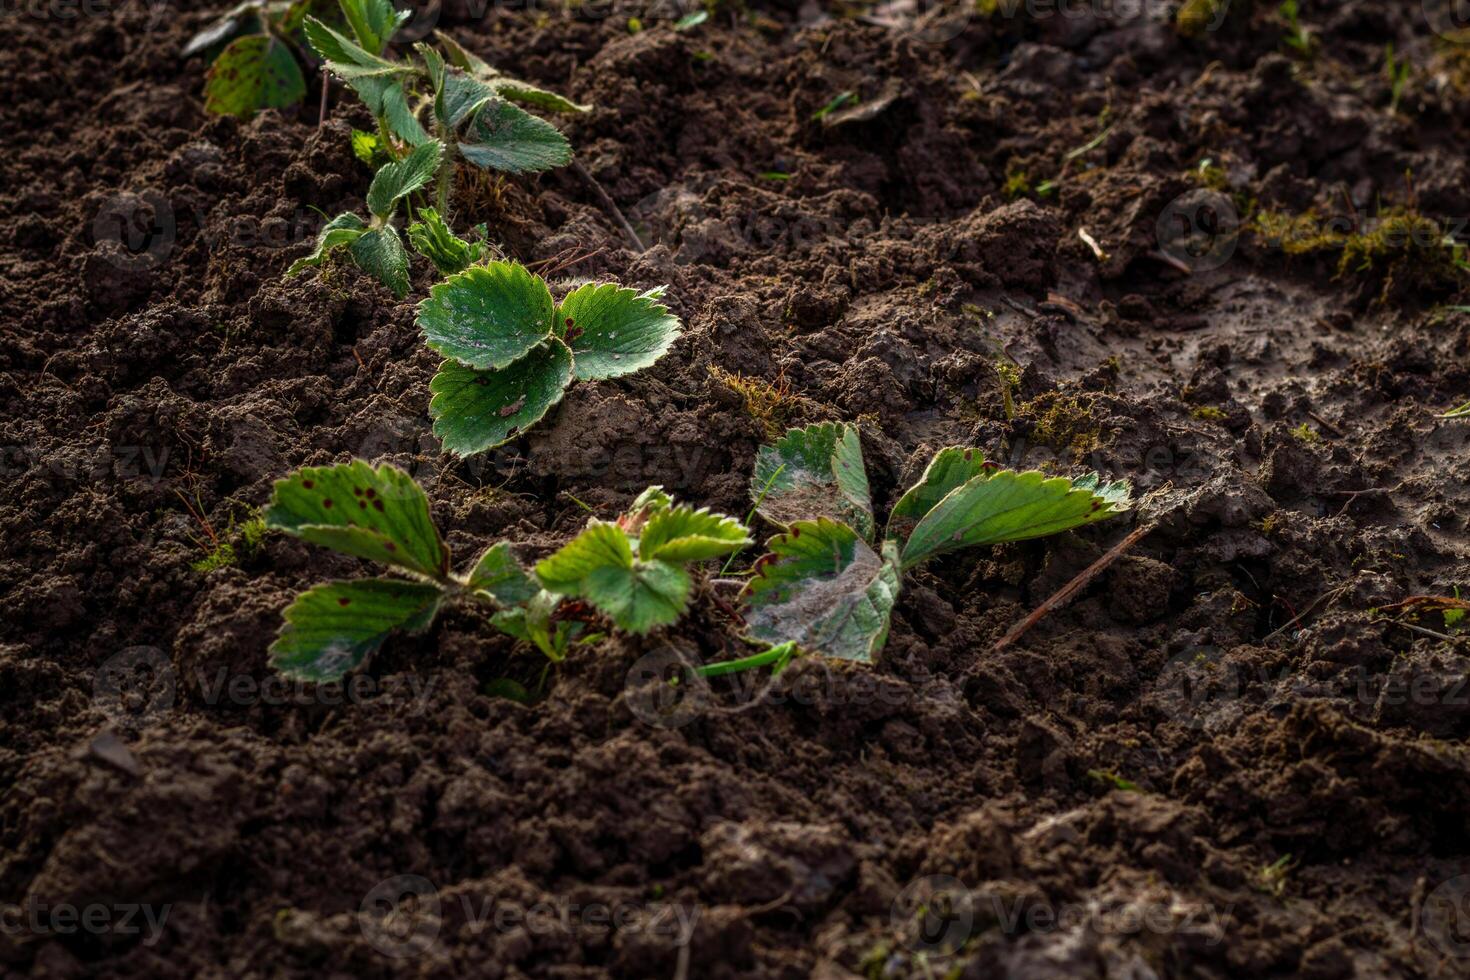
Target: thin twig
1330,593
1326,424
321,116
609,205
1418,629
1072,588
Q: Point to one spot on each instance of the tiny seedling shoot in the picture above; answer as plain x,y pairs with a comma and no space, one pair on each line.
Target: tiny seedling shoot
511,350
374,244
829,586
632,570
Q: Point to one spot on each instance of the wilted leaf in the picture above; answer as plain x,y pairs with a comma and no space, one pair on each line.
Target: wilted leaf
824,588
811,473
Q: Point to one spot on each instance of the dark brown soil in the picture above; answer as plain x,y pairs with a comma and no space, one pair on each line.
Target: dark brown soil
1109,792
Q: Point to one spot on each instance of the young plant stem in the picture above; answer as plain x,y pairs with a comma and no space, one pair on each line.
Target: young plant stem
780,656
751,516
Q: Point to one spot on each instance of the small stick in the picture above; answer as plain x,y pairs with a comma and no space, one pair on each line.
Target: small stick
609,205
321,116
1326,424
1172,262
1072,588
1330,593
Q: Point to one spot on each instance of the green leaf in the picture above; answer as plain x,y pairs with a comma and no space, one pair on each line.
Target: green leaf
433,240
401,119
255,72
478,410
598,565
681,534
533,95
487,316
506,137
1011,506
341,230
689,20
372,21
460,96
814,472
400,178
368,147
372,513
614,331
337,51
459,56
824,588
500,576
331,628
950,468
380,253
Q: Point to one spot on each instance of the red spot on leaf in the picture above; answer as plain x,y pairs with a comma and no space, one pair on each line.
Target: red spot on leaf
378,506
308,484
327,503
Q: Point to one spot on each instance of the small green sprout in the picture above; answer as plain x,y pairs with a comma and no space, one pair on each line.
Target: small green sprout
254,50
1272,878
633,570
432,239
691,20
1111,779
1306,435
829,586
1398,72
1297,37
838,101
1463,412
511,350
374,244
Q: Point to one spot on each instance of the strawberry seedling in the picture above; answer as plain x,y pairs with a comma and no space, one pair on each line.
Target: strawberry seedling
511,350
829,586
432,239
379,514
632,570
471,105
374,244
